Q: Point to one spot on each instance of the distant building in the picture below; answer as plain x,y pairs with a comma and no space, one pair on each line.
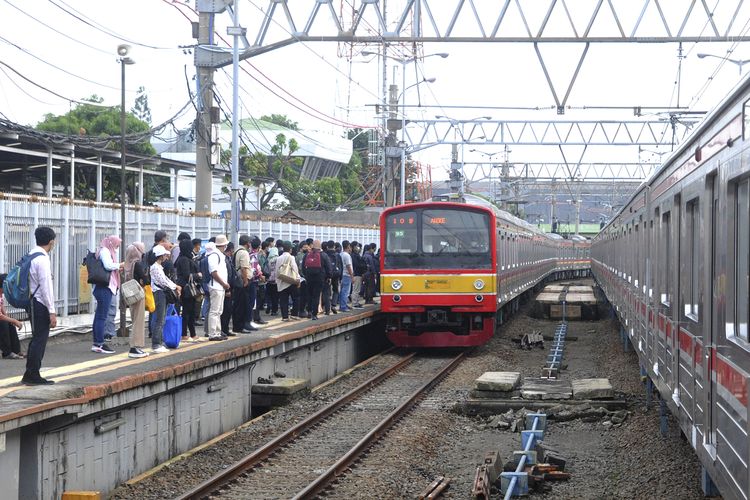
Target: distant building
323,156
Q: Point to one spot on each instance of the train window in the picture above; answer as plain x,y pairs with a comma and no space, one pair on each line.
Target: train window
401,232
742,248
454,231
693,256
666,257
746,120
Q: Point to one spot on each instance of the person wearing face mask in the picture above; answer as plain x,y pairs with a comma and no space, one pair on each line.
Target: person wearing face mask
42,307
107,253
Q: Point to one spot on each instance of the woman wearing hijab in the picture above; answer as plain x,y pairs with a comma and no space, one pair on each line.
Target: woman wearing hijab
135,270
107,253
187,268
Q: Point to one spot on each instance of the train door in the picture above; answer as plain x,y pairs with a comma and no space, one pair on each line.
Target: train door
691,313
711,321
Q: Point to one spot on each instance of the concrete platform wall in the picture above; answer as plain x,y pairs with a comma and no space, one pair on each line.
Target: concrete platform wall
97,450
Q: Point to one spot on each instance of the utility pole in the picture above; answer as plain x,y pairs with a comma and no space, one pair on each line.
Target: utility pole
207,116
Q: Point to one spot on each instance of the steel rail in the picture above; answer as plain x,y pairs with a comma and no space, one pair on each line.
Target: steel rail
218,481
376,433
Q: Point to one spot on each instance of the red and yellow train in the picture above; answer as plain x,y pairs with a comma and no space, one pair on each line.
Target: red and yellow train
451,271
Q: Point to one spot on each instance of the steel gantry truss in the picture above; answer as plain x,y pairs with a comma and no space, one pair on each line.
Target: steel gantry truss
274,24
550,171
546,133
283,22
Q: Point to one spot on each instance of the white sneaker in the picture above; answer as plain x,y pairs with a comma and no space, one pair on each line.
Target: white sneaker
255,325
159,350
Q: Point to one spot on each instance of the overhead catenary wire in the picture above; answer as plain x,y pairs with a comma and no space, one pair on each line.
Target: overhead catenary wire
55,66
56,30
90,22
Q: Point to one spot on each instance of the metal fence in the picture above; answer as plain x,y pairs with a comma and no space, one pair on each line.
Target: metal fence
80,226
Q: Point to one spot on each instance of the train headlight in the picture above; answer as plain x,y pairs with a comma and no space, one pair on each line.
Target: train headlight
396,285
479,284
397,298
479,298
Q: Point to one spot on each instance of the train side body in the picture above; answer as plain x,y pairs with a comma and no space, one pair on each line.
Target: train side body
674,265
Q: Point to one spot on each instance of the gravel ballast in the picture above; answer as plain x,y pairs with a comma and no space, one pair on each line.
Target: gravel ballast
606,457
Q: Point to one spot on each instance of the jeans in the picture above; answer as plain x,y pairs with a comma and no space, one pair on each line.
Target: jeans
346,286
205,303
103,300
109,325
39,315
159,315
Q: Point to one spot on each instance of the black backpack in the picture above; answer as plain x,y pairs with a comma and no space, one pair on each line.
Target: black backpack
336,265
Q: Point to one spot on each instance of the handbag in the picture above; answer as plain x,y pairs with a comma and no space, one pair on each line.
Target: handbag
148,294
95,268
287,274
170,296
131,292
172,328
192,289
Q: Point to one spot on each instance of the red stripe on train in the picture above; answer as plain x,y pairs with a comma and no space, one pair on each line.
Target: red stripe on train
730,378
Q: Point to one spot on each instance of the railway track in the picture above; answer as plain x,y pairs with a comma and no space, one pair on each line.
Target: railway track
304,460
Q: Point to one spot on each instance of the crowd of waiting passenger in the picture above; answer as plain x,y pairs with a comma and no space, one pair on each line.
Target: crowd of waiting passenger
225,289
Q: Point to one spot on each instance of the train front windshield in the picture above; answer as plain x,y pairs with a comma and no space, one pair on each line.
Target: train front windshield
438,239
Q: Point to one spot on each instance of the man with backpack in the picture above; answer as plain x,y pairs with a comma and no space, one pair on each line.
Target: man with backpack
331,286
359,267
241,286
265,270
317,270
41,308
368,278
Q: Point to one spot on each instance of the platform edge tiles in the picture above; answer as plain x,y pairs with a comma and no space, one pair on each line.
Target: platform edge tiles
107,433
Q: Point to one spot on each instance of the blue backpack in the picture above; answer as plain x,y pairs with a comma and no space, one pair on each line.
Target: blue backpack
203,268
16,285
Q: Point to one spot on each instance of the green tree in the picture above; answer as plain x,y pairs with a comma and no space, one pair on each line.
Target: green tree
93,120
281,120
141,109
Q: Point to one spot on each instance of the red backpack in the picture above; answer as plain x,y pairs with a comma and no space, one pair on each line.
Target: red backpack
312,260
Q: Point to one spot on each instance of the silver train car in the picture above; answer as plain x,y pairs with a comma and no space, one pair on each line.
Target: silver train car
674,265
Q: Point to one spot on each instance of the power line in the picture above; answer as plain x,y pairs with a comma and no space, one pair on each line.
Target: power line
56,67
90,22
56,30
46,89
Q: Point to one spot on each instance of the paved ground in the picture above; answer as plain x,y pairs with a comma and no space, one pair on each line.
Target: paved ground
80,373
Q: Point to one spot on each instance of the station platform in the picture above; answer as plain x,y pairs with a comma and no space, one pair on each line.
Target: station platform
129,414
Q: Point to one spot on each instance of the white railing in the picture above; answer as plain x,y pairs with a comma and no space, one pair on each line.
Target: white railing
81,225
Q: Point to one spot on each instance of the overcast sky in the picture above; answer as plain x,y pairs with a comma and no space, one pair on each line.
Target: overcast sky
321,85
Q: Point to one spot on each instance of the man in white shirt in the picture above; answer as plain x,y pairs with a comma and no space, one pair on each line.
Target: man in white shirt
217,287
42,310
346,278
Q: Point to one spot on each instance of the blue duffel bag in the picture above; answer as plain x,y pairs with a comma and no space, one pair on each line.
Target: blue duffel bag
172,328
